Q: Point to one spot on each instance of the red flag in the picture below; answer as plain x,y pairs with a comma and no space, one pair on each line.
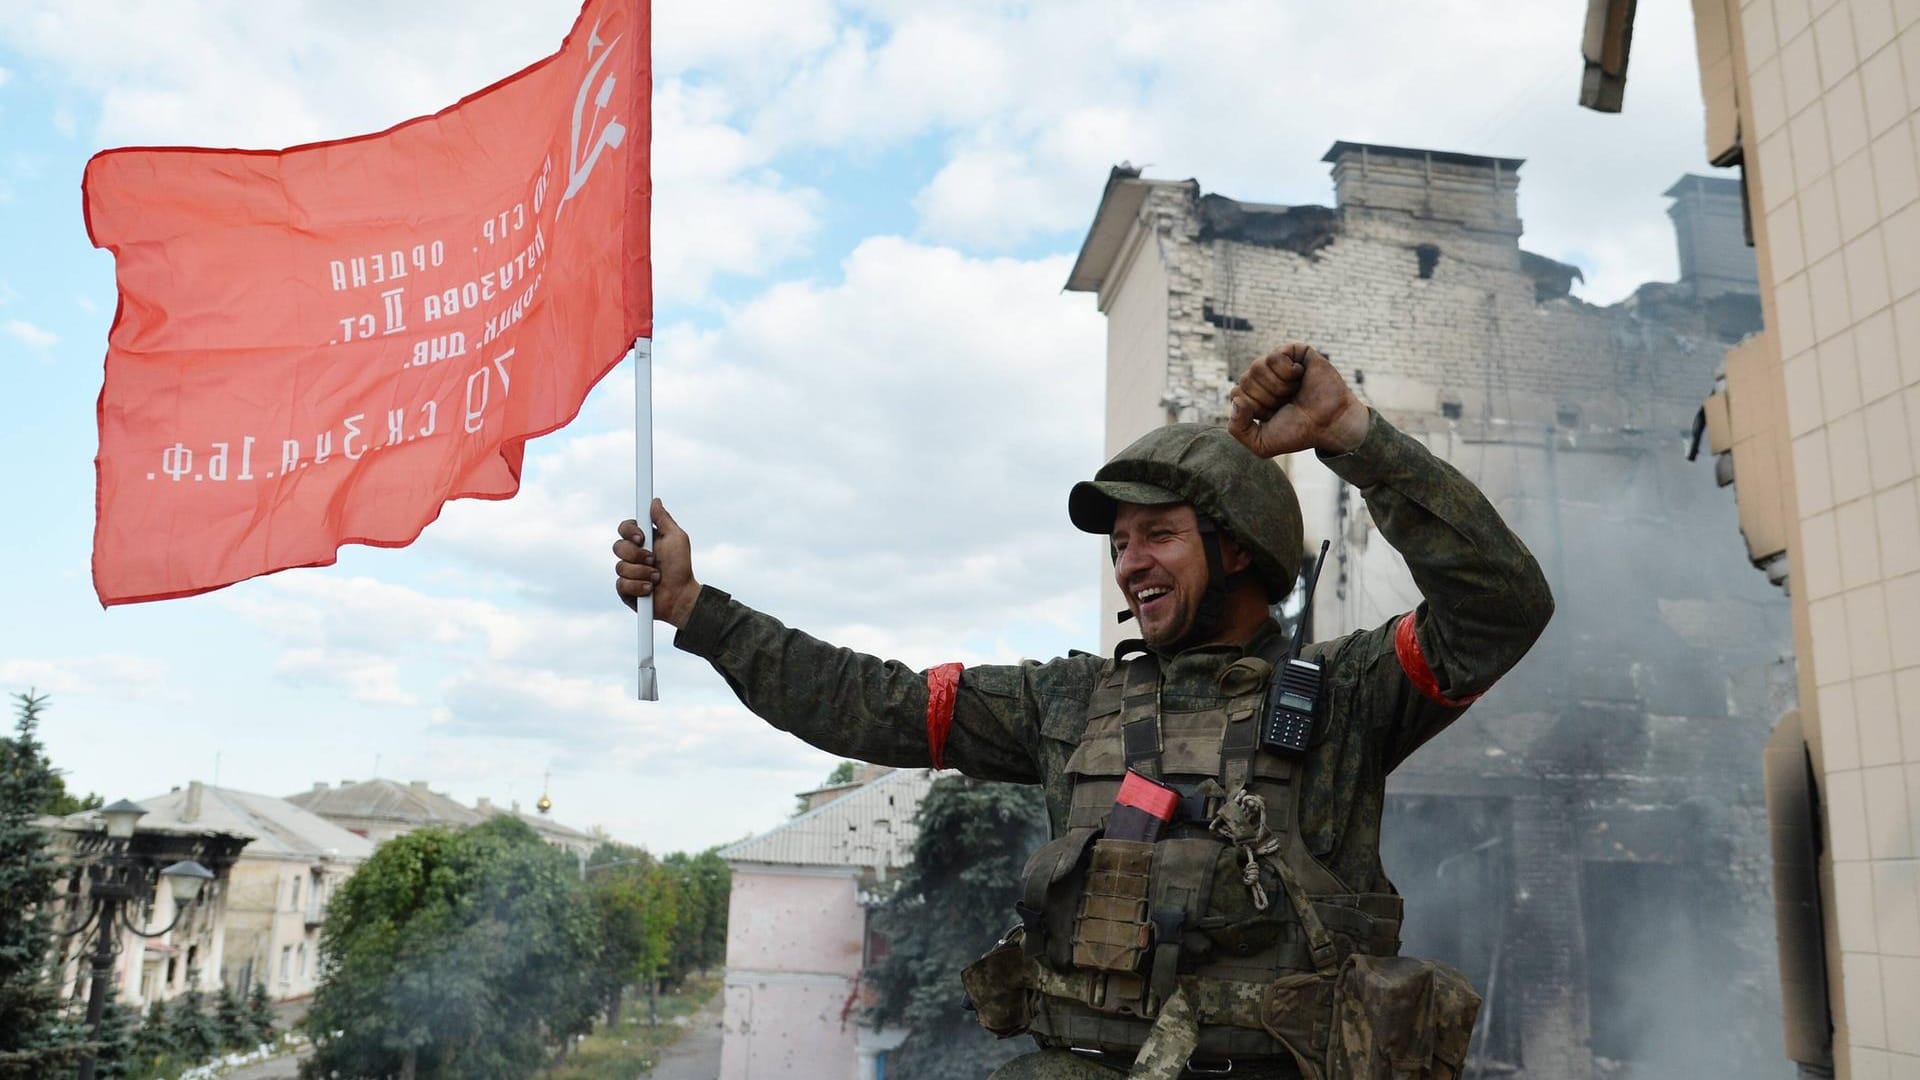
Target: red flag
322,345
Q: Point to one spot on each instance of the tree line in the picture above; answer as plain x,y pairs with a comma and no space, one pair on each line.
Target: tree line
476,954
481,953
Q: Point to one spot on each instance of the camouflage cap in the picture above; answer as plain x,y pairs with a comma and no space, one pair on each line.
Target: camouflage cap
1204,465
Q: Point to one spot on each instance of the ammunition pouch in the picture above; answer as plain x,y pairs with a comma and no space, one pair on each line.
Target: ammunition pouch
1049,887
1377,1018
1113,928
1401,1019
998,988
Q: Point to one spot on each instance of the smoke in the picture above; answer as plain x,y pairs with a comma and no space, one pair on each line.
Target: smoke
1589,843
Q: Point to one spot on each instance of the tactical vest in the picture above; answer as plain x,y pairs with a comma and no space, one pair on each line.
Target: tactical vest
1227,920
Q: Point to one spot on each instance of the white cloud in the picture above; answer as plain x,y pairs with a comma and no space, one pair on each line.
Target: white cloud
33,337
1035,101
106,676
6,76
892,449
367,679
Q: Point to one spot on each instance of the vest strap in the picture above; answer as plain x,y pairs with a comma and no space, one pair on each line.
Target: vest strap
1140,716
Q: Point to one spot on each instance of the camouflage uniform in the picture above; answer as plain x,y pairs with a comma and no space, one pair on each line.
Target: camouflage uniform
1485,603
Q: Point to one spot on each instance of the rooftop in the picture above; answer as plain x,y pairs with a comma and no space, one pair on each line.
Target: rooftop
1445,157
410,804
276,828
870,829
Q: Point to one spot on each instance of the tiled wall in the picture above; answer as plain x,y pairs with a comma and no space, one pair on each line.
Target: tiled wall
1833,109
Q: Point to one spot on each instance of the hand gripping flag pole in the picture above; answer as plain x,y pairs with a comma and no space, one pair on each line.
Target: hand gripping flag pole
643,481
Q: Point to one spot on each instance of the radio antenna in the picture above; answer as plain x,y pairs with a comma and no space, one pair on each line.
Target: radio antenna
1306,602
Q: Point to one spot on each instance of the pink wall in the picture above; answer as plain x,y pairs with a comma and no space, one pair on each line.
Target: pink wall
794,944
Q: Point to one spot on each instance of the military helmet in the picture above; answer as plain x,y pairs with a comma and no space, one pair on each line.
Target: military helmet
1205,466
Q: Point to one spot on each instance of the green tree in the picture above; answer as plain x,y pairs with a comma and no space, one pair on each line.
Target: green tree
952,902
639,903
115,1059
260,1014
195,1033
231,1022
36,1039
700,939
455,955
60,802
153,1043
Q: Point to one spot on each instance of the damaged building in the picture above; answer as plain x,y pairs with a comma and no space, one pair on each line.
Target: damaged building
1589,843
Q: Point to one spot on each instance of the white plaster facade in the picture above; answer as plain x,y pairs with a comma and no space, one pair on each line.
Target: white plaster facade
277,891
797,936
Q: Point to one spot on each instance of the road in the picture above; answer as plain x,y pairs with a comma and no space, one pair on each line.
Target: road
696,1056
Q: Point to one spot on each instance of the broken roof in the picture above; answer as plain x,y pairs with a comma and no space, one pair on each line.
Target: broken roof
1446,157
1119,206
869,829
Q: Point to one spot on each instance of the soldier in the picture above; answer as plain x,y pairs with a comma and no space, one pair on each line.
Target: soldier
1256,932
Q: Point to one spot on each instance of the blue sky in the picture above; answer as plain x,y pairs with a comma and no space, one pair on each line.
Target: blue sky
871,391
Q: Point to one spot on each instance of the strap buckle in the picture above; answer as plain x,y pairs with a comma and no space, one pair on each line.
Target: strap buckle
1033,930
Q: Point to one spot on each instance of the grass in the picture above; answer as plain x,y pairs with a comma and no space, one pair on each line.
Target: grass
631,1049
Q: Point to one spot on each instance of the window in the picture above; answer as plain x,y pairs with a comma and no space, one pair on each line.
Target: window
286,963
303,960
296,895
877,945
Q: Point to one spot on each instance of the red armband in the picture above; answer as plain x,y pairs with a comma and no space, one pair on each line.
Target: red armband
943,683
1406,645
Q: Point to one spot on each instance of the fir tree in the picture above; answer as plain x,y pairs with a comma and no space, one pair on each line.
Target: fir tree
154,1041
116,1057
952,903
260,1013
231,1022
195,1035
35,1039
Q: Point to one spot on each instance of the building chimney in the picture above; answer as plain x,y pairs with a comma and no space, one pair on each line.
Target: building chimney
319,785
484,805
1710,226
1441,186
195,790
417,785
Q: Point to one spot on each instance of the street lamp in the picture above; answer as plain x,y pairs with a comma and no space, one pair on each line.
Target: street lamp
116,880
121,817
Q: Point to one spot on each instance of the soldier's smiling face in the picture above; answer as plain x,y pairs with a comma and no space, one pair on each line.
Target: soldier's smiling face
1160,564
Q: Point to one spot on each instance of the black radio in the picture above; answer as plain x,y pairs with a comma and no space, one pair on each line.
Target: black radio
1292,706
1293,700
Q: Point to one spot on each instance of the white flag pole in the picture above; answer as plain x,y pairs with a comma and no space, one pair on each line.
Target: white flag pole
643,479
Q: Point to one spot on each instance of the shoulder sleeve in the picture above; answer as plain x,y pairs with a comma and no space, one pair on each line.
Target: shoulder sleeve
1484,598
984,721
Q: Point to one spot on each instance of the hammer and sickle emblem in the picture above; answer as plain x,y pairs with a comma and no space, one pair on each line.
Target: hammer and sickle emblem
581,157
